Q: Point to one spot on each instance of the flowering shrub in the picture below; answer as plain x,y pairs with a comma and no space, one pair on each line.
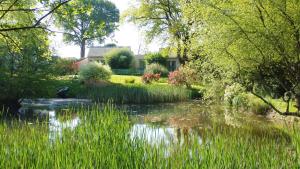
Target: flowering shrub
234,95
183,76
177,78
149,77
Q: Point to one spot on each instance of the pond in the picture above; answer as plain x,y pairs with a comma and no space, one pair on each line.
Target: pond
161,123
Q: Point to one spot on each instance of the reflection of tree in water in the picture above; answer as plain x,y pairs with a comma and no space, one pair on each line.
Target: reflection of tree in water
57,120
57,126
186,136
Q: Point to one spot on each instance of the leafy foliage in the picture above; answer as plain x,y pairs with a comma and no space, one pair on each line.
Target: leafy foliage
63,66
259,40
155,68
148,78
176,78
86,21
165,19
155,58
119,58
25,61
94,72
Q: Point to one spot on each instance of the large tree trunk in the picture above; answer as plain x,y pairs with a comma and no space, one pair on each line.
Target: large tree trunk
179,53
82,49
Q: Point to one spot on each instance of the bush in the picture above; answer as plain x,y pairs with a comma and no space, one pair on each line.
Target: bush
155,58
119,58
149,77
155,68
176,78
233,95
94,72
61,66
183,76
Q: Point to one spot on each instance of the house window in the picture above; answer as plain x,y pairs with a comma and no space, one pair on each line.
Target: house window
171,65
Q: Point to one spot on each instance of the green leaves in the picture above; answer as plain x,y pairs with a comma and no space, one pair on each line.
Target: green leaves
87,20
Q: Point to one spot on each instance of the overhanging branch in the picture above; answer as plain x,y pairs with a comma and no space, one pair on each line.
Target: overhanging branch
37,24
274,108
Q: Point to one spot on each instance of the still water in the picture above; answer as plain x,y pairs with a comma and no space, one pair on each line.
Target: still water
157,124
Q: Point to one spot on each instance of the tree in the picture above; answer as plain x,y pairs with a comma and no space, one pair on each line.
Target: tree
165,18
119,58
155,58
24,55
86,21
260,40
24,66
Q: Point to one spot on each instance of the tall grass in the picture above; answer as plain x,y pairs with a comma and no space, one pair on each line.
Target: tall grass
102,141
137,93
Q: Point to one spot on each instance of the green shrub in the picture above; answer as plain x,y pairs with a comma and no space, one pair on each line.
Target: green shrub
94,72
155,58
155,68
234,95
61,66
119,58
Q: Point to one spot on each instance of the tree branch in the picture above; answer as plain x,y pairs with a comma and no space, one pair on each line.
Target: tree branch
274,108
37,23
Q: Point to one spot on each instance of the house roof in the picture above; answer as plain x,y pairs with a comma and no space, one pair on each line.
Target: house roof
101,51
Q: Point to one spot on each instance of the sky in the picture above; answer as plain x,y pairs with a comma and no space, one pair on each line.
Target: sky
128,34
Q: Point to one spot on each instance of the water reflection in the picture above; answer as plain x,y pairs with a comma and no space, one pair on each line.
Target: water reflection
169,138
56,126
162,135
169,124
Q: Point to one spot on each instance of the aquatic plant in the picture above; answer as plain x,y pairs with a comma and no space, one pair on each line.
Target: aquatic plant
137,93
102,140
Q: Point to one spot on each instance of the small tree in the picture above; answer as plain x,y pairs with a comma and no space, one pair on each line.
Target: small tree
119,58
155,58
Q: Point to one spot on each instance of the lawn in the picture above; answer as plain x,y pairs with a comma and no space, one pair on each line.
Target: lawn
119,91
122,79
137,79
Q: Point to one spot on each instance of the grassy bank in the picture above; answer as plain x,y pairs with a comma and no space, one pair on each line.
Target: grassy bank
118,91
137,93
102,141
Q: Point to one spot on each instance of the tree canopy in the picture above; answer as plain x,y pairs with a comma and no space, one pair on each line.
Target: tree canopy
255,43
87,21
165,19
